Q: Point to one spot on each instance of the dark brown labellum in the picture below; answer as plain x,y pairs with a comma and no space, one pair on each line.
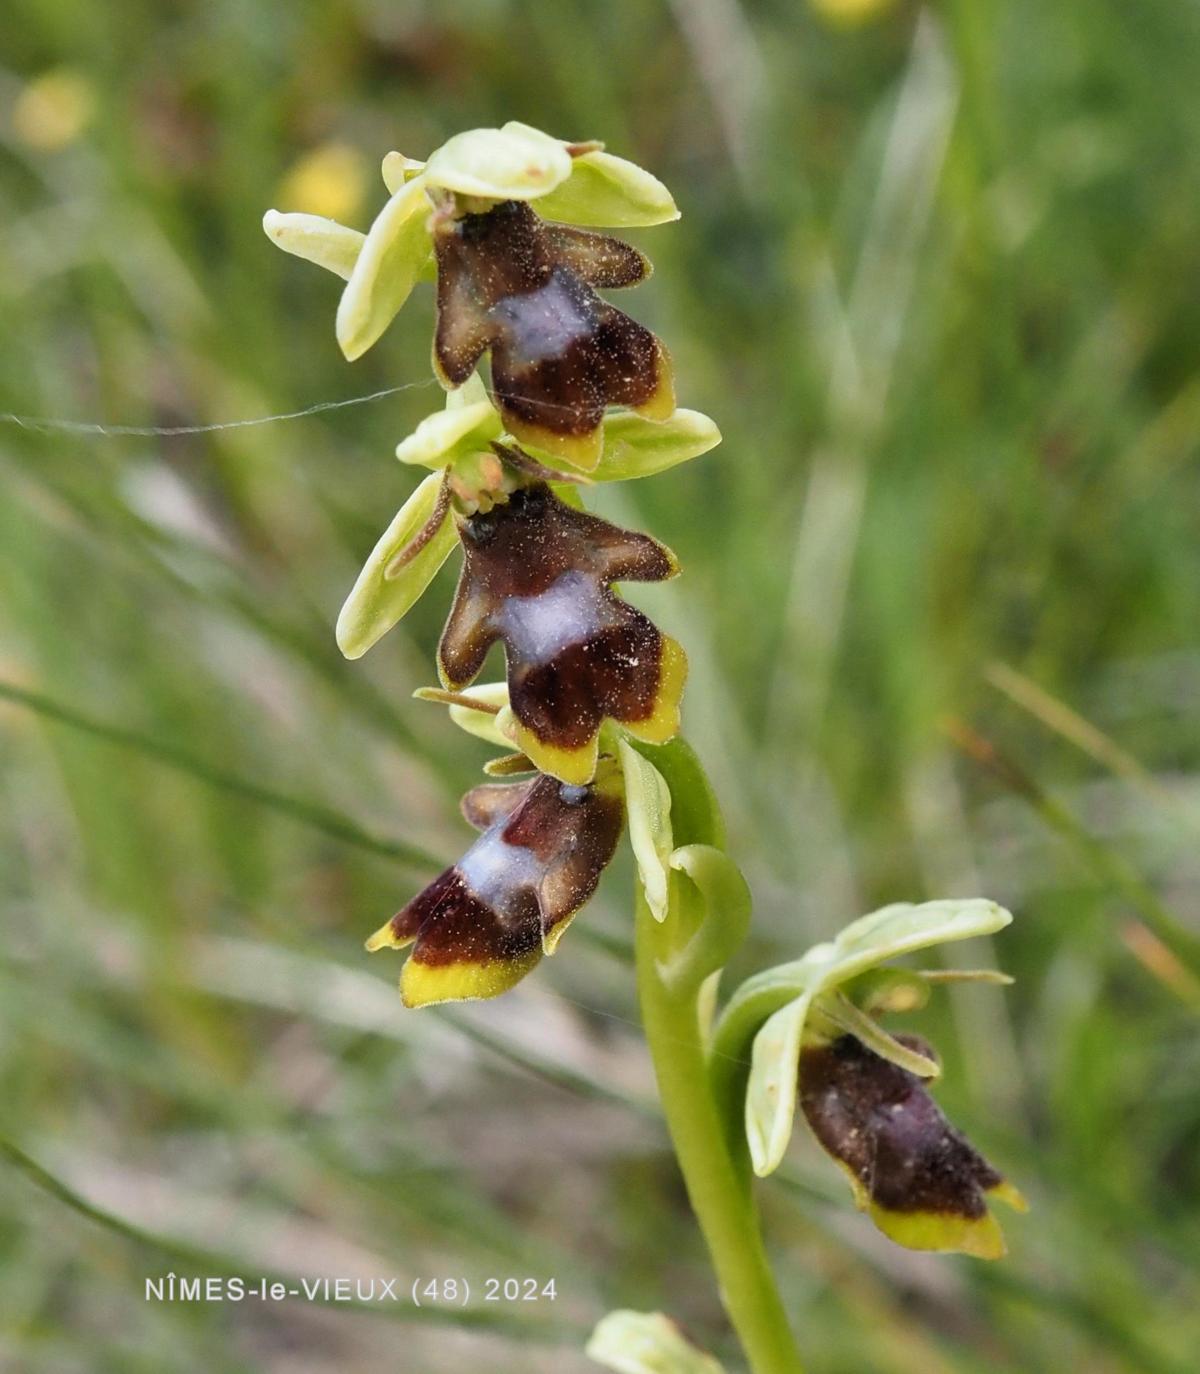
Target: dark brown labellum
481,925
880,1122
537,576
524,289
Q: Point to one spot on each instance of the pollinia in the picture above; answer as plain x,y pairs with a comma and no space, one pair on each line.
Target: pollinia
504,223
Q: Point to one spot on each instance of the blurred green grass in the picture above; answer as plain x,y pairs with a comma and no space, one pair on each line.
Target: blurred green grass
934,280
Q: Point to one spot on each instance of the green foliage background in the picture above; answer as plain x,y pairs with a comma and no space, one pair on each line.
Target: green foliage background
936,280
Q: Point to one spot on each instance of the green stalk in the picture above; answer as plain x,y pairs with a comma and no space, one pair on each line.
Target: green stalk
717,1181
716,1188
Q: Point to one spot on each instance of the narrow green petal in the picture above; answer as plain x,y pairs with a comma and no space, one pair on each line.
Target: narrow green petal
480,723
646,1343
377,602
393,255
513,163
435,441
966,975
609,192
637,447
315,239
648,806
881,990
844,1016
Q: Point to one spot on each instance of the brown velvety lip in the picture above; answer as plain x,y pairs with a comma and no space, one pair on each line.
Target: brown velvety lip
525,289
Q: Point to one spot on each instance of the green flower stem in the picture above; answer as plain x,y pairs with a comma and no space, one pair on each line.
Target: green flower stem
717,1187
709,1145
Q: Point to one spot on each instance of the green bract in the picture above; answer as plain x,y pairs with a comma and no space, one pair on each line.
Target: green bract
648,809
774,1006
722,905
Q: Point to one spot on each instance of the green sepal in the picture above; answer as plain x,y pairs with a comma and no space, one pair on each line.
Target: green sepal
513,163
608,192
393,257
509,766
481,724
378,600
634,446
493,721
637,447
447,435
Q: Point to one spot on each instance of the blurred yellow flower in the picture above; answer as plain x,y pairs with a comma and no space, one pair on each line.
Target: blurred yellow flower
330,181
53,109
849,12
